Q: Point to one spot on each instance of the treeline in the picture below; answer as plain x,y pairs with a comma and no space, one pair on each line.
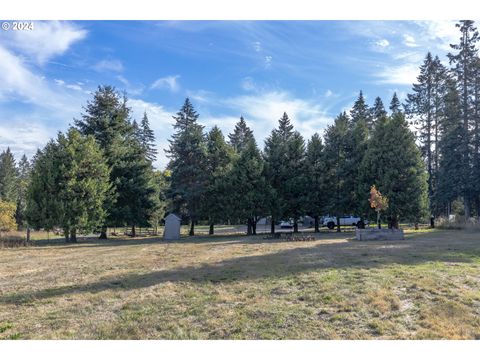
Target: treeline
445,107
219,180
99,173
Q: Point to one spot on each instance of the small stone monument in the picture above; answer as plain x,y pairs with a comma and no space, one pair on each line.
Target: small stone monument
172,227
379,234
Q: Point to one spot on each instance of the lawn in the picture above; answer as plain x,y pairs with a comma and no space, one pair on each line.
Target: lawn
238,287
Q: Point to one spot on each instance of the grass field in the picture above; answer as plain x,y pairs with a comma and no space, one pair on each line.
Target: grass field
238,287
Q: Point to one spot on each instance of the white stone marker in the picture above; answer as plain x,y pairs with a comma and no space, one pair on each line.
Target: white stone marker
172,227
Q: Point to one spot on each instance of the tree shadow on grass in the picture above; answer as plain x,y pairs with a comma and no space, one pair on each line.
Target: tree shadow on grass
324,255
89,241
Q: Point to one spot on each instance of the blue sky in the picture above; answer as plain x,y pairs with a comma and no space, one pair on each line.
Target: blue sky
258,69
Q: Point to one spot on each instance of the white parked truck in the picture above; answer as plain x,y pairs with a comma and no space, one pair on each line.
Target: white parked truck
349,220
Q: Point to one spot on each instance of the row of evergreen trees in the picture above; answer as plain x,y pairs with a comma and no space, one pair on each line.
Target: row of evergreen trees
445,107
217,180
99,173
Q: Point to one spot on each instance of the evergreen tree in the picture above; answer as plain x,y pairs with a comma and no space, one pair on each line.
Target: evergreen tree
361,112
450,172
69,183
248,188
336,152
395,104
44,208
241,136
148,138
394,165
218,164
476,137
378,110
356,147
424,105
8,177
188,158
135,186
277,173
106,118
23,170
317,192
296,183
464,71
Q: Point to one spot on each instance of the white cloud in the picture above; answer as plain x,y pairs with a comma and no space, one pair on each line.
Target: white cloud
329,93
48,39
262,111
167,82
248,84
440,33
108,65
383,43
404,74
201,96
131,89
24,137
257,45
268,61
77,86
20,83
409,40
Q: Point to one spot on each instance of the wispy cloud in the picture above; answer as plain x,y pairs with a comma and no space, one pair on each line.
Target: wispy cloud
111,65
408,43
19,82
47,40
382,43
263,109
268,61
168,82
131,89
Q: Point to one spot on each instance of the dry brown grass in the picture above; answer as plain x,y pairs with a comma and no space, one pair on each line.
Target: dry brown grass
244,288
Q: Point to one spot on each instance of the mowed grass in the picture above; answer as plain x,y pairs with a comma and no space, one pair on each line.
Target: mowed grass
238,287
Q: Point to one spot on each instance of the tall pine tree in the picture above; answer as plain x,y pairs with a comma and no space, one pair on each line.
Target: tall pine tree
188,158
218,163
463,62
241,135
394,165
315,171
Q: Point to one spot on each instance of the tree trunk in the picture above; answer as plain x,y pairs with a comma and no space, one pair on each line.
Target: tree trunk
338,224
393,222
133,234
103,233
192,228
272,226
211,230
466,201
378,220
254,226
73,235
28,234
249,226
295,226
66,233
432,222
317,225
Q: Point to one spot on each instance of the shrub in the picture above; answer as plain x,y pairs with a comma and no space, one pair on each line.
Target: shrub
458,223
7,216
